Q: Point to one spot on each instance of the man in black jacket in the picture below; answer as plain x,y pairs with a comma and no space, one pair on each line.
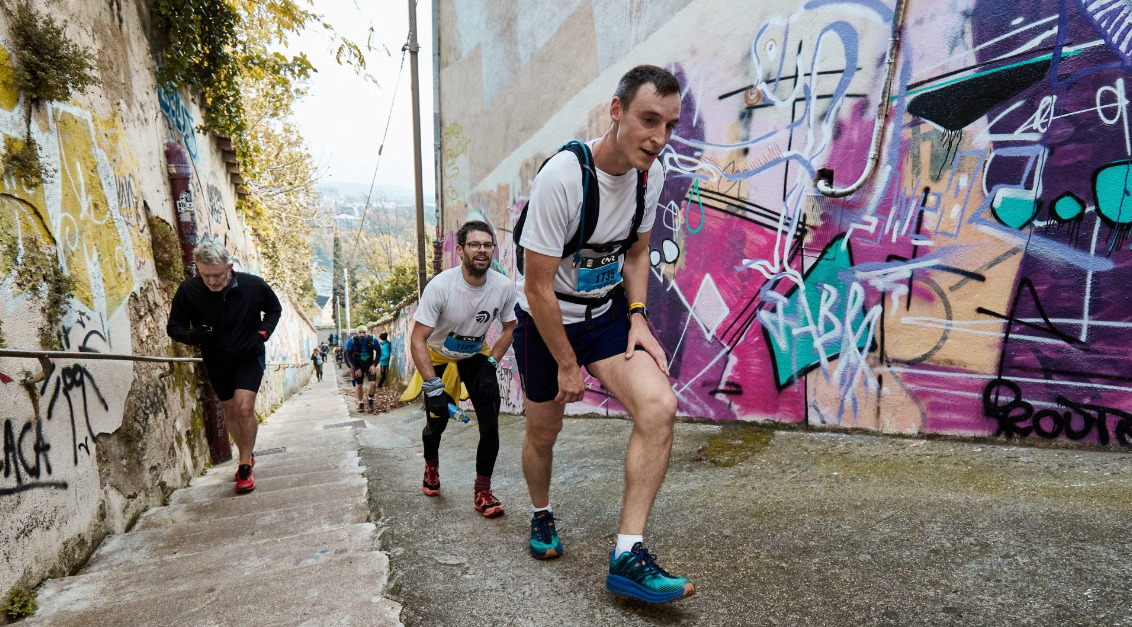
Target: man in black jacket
229,315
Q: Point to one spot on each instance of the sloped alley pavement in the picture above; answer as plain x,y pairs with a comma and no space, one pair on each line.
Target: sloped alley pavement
299,550
774,527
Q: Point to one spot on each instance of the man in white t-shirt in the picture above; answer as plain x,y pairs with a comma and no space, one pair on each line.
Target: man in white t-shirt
586,308
456,310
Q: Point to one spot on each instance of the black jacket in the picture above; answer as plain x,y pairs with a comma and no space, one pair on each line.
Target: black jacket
236,314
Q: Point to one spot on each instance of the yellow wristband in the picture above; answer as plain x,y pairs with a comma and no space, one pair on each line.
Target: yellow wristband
635,305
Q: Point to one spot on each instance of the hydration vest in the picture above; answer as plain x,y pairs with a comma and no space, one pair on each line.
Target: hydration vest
581,239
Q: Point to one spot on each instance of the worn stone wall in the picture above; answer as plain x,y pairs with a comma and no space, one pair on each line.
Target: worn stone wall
398,326
976,285
88,445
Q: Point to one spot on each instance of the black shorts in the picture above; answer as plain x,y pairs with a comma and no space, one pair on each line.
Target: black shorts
227,377
366,374
606,336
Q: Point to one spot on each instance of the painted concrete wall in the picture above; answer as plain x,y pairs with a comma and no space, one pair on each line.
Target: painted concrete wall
977,285
92,444
399,327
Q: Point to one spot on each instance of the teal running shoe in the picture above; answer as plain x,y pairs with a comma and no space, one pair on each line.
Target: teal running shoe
636,574
544,538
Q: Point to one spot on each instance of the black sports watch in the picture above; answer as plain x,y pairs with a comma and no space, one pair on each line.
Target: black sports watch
641,309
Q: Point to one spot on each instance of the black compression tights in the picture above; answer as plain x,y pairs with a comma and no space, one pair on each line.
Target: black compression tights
484,393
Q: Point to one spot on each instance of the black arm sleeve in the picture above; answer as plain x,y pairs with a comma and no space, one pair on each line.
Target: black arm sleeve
178,325
271,310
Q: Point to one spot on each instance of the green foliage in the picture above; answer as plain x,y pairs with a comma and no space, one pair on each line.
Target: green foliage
377,299
49,65
40,273
21,160
21,603
229,52
201,35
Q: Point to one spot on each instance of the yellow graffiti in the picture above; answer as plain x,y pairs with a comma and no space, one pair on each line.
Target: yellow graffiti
87,228
9,94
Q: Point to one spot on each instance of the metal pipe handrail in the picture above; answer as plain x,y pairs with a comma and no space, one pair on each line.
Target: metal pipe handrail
12,352
825,187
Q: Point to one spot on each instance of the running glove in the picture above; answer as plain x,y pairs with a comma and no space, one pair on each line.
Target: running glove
199,336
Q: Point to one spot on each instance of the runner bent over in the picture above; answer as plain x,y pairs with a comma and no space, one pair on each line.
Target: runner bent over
229,315
456,310
573,312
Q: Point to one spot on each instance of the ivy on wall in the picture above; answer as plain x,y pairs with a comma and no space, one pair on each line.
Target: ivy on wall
49,66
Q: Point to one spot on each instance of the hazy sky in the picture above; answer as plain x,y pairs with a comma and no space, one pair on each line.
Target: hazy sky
343,117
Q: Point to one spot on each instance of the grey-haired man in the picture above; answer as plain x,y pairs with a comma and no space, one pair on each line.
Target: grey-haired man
229,315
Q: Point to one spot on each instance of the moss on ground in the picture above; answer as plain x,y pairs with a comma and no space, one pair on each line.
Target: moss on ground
737,442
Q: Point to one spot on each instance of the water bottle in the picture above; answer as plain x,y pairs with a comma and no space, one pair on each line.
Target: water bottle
457,414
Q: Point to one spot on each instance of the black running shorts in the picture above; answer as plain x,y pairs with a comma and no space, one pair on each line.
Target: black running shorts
226,378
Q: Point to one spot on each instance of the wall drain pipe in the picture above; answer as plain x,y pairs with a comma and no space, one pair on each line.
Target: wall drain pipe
825,177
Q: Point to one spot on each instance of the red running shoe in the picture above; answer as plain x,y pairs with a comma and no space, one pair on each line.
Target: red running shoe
486,504
238,472
431,484
245,482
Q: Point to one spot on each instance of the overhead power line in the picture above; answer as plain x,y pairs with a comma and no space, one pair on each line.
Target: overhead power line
380,148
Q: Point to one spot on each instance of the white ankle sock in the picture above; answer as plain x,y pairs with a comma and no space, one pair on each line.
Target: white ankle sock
625,543
535,510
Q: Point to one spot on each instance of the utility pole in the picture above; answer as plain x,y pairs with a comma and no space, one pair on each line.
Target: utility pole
346,286
338,319
413,48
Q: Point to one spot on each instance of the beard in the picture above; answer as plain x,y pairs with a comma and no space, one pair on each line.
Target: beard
470,266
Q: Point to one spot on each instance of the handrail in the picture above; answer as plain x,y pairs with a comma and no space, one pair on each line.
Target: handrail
825,186
12,352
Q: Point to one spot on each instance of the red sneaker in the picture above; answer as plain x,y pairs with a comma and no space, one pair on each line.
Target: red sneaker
486,504
431,484
238,471
245,482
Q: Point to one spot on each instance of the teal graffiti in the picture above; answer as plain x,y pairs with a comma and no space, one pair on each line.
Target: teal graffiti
1014,211
810,325
699,200
1111,186
1068,207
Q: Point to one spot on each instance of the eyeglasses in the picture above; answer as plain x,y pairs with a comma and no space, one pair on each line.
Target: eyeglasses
478,246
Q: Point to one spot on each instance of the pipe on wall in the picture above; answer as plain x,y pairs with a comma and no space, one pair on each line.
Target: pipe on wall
825,177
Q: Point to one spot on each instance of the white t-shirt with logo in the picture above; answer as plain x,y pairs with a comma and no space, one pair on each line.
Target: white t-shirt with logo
460,314
554,213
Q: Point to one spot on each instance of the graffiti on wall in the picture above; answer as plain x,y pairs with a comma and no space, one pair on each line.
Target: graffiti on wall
975,285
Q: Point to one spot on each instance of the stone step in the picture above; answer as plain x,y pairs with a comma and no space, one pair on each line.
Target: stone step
221,490
238,505
220,568
189,535
333,590
226,474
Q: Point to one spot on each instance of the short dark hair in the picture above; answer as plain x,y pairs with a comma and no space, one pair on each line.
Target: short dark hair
663,80
473,225
383,336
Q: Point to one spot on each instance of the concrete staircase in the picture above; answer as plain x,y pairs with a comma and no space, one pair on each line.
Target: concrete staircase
296,551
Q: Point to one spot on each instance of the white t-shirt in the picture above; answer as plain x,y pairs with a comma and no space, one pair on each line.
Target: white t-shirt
460,314
554,213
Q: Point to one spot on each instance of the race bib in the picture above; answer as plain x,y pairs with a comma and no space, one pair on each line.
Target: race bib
463,344
598,274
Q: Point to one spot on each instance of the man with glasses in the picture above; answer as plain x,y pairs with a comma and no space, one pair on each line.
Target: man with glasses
456,310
